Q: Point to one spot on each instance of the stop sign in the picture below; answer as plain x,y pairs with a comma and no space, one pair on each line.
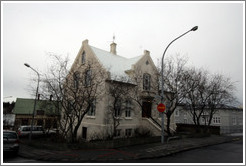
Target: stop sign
161,107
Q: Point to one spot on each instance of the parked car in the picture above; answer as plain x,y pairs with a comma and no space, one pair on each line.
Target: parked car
26,130
10,141
51,131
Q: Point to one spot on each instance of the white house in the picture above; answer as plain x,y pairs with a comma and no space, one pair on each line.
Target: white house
139,72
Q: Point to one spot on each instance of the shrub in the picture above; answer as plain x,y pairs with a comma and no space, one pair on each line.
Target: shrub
143,132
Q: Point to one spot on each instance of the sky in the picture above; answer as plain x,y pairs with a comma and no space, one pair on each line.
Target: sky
31,30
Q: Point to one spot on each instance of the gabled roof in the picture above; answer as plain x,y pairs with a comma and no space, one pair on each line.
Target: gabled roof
25,106
115,64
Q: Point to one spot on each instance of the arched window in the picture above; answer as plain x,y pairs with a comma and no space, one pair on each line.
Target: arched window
83,57
146,81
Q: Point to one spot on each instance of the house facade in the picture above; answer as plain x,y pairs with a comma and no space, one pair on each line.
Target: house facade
229,119
45,114
135,109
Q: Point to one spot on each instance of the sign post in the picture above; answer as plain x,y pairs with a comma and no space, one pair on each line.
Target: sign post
161,108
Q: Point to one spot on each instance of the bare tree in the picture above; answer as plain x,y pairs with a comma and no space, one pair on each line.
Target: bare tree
120,93
174,69
206,93
74,90
221,94
196,92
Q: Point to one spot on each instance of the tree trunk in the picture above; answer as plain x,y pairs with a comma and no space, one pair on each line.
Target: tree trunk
168,114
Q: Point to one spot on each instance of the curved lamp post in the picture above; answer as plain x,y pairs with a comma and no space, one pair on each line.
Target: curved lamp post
162,83
34,108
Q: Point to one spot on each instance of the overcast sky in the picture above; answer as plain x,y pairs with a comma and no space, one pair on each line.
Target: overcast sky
30,30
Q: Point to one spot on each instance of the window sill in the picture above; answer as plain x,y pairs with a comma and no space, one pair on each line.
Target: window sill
90,117
128,118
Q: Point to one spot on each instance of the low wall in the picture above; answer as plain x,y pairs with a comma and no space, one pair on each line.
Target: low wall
195,129
116,143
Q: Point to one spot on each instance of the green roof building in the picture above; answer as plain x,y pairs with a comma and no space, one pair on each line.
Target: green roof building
46,114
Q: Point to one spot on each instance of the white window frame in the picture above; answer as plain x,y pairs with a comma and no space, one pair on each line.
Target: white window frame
216,120
117,111
146,81
76,80
92,111
128,109
128,132
118,133
176,113
83,57
234,121
88,78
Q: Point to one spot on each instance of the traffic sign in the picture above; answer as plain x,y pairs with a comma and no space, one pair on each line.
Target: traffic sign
161,107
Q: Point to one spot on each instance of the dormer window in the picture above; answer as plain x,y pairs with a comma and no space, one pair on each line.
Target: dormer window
146,81
83,58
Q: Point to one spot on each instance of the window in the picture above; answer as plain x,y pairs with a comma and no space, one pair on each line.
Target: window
92,111
128,132
40,112
40,122
128,108
176,113
117,108
216,120
76,80
83,58
24,122
205,119
117,133
69,107
146,81
234,121
88,78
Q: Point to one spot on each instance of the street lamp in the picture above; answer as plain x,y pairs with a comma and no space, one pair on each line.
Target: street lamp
162,83
27,65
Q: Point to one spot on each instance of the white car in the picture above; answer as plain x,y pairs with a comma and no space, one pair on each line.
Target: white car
26,130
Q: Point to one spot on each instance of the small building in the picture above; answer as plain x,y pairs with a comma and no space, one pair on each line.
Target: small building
228,118
45,114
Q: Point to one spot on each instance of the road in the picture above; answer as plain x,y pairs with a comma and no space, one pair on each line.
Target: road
10,158
223,153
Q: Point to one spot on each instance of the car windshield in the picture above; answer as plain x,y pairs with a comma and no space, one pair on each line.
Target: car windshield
9,135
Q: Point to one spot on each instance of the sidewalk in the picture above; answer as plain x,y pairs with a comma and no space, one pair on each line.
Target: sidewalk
152,150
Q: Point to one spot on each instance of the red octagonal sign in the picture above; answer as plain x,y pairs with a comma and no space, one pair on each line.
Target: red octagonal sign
161,107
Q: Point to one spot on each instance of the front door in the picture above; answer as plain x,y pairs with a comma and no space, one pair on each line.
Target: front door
84,132
146,109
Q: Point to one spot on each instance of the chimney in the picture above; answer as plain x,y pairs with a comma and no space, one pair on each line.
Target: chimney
85,42
146,52
113,48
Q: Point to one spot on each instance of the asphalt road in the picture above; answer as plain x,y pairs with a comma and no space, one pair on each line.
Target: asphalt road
223,153
12,158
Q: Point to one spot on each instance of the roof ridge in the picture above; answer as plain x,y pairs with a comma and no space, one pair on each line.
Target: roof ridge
116,55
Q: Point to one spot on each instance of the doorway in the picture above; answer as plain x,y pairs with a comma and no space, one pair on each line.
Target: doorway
146,109
84,132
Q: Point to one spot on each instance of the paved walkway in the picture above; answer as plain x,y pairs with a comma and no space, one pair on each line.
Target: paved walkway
127,153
